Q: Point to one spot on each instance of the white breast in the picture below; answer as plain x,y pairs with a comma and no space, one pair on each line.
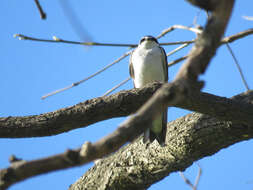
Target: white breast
148,66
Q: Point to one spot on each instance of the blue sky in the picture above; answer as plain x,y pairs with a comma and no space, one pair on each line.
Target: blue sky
29,70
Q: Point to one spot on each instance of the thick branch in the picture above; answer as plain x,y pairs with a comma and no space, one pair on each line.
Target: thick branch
241,128
81,115
117,105
189,139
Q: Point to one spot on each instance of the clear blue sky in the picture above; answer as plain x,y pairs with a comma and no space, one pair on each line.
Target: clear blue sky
29,70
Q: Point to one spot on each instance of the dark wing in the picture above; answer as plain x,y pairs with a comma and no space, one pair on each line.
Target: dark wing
165,64
131,69
162,137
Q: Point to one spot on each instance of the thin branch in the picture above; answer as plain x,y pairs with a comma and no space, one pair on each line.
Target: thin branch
195,19
237,36
59,40
170,29
198,177
177,49
89,77
42,13
248,18
187,181
238,66
74,21
177,43
177,60
228,39
117,86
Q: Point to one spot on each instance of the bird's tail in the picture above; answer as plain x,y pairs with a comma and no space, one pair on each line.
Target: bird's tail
150,135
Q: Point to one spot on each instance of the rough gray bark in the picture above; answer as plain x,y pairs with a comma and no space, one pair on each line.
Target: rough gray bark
190,138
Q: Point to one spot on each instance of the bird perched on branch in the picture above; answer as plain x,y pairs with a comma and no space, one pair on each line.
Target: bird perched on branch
148,63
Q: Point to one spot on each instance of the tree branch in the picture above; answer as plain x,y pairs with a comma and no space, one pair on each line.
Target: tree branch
117,105
237,36
42,13
81,115
227,39
189,138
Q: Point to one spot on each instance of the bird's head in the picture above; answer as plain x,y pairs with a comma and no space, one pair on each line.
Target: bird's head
148,42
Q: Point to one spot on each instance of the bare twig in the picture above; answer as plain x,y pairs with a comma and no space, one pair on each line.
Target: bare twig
238,66
188,182
177,49
195,19
89,77
74,21
237,36
198,177
228,39
177,43
177,61
42,13
59,40
117,86
248,18
170,29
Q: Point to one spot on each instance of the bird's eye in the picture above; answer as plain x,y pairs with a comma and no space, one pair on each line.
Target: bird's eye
142,40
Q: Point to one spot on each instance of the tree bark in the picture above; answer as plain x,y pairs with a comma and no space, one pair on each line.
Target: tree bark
189,138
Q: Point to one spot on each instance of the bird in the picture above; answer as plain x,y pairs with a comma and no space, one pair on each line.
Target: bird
147,64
